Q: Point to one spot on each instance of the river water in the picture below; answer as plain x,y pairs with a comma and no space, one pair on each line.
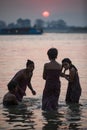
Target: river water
14,52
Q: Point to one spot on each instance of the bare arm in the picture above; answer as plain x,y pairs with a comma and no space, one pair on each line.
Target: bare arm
62,74
31,88
70,77
44,72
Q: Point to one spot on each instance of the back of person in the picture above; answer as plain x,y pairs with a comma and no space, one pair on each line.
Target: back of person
51,74
54,69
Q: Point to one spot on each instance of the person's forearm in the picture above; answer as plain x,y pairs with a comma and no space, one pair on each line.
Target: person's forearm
62,75
67,77
30,87
32,90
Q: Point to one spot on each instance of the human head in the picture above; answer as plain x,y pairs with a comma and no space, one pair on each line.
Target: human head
30,65
66,63
52,53
12,86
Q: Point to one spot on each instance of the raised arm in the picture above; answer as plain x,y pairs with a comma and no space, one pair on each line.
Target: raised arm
71,75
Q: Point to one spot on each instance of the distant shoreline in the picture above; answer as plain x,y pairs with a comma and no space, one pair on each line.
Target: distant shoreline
66,30
35,31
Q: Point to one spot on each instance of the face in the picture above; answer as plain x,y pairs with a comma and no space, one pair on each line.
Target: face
66,65
30,67
15,89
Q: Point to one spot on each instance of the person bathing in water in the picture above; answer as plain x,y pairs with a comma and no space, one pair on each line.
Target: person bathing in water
23,78
51,74
74,88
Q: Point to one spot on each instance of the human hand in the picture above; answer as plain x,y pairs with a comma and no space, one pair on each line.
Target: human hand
33,92
62,75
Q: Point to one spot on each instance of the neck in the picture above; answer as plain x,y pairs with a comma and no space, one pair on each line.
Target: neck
12,92
52,59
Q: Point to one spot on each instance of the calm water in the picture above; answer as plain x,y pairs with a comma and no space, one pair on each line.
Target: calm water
14,51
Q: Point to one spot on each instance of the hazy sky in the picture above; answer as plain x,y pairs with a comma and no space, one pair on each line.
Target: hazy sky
74,12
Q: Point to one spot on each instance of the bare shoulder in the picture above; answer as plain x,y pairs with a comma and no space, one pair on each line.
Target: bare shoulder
46,65
72,69
53,65
21,71
18,74
60,66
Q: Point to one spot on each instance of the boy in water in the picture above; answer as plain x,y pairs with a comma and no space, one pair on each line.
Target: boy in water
23,78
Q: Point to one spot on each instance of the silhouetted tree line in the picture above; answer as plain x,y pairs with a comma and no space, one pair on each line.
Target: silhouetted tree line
55,25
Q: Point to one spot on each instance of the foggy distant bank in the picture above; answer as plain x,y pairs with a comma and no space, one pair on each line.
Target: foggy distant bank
47,26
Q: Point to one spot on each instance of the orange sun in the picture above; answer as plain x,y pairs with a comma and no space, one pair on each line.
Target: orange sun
45,14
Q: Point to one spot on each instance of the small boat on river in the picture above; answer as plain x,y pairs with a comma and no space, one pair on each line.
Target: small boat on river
21,31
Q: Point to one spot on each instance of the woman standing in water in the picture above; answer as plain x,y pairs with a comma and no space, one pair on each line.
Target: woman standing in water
51,74
74,89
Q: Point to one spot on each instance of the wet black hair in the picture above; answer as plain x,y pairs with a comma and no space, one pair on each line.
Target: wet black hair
70,63
67,60
29,62
12,85
52,53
